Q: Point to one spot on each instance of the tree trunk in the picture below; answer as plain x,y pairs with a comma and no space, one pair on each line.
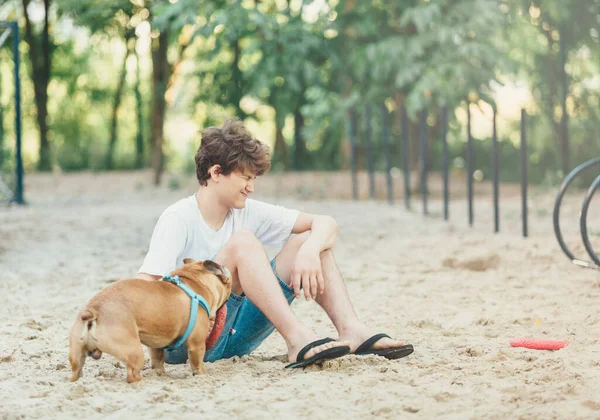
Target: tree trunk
433,134
299,144
414,146
139,138
564,132
40,75
281,152
160,78
552,86
345,143
116,104
413,133
236,91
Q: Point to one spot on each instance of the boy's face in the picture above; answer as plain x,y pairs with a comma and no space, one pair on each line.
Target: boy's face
235,188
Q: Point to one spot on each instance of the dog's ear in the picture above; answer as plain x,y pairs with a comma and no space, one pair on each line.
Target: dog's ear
212,267
188,260
226,277
218,270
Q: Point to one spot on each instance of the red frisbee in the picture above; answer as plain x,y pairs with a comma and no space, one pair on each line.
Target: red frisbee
538,344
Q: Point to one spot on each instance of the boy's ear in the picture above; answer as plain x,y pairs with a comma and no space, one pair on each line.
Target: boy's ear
214,171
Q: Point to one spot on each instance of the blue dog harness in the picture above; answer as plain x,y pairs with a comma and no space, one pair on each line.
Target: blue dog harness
196,300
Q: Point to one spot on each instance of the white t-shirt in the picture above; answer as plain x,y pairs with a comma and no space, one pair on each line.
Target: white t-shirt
182,233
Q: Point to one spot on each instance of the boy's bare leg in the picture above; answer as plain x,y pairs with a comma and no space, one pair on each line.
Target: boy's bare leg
246,259
335,299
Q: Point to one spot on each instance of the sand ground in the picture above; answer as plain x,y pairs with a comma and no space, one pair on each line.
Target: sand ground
457,293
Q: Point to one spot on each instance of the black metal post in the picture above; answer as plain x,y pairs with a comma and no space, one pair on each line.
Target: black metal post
444,118
469,165
495,175
404,147
19,195
523,174
4,33
353,154
370,164
385,120
423,136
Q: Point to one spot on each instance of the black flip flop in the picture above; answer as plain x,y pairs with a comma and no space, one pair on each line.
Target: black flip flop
328,354
390,354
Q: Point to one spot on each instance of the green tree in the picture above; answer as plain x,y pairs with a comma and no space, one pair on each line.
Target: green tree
413,53
40,54
558,48
117,18
168,23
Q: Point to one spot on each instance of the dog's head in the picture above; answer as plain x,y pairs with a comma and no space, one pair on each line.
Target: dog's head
210,274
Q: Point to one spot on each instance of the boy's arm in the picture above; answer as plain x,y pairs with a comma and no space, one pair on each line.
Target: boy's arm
146,276
307,270
323,231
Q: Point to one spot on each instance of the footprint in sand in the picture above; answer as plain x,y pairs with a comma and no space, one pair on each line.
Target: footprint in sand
473,264
34,325
592,405
470,352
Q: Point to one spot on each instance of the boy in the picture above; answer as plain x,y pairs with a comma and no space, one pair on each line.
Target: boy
221,223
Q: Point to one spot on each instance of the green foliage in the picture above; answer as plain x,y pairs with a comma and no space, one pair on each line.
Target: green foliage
319,59
108,17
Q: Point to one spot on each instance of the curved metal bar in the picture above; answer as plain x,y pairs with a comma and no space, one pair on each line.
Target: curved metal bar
563,188
583,220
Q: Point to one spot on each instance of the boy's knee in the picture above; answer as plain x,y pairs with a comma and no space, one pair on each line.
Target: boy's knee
242,242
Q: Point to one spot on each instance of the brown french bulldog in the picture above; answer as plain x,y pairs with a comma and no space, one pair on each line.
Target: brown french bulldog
132,312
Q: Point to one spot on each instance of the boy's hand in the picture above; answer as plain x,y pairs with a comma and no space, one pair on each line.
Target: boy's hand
307,272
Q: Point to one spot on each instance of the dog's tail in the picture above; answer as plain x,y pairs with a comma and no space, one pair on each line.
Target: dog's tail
88,315
88,334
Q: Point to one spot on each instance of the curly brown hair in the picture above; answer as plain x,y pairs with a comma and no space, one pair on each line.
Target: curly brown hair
233,148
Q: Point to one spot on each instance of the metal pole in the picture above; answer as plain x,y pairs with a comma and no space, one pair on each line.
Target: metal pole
370,154
353,154
445,160
583,220
495,173
404,147
3,38
423,135
523,174
469,165
19,196
388,157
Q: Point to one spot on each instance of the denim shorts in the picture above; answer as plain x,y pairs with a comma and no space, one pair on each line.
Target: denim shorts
246,327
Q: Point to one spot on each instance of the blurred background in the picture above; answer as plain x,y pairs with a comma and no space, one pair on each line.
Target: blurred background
127,84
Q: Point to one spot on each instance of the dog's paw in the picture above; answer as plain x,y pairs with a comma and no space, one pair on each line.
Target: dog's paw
161,372
198,372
